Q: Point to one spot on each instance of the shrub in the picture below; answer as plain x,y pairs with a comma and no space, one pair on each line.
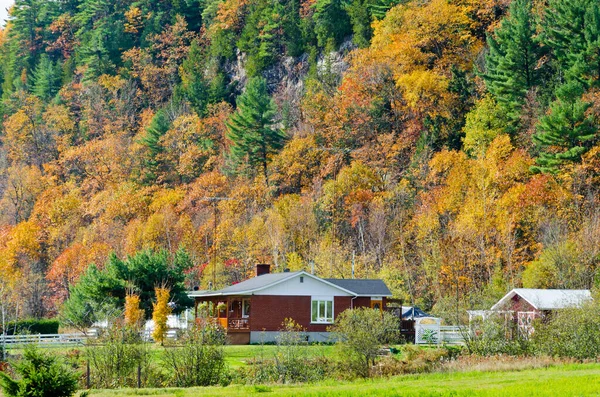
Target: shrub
32,326
115,357
414,360
291,358
200,360
572,332
40,375
361,333
290,363
495,335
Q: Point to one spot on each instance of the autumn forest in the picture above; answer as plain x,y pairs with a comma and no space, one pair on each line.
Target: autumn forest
449,147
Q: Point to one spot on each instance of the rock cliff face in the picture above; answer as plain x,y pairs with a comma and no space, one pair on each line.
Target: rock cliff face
286,77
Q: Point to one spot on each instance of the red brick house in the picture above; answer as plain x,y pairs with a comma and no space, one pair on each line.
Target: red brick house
253,310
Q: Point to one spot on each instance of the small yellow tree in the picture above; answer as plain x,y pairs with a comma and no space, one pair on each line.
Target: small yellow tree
133,313
160,312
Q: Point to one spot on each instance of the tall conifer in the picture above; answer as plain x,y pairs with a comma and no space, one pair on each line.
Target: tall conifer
251,127
512,61
566,132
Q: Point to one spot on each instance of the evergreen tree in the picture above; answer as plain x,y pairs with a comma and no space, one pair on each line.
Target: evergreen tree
512,60
262,37
251,128
360,18
30,19
100,294
564,28
95,55
46,78
380,7
159,125
567,132
592,41
331,22
193,82
292,31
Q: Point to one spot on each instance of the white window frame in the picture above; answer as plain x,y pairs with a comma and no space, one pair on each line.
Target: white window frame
322,318
244,314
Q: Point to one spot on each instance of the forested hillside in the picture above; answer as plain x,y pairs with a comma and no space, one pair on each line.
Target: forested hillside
449,147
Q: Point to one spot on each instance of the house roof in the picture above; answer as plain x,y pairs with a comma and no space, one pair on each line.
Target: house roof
362,287
250,285
254,284
547,299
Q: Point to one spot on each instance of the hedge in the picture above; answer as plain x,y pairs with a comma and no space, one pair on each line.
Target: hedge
32,326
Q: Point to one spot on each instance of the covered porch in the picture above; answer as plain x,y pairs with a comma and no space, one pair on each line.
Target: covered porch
231,312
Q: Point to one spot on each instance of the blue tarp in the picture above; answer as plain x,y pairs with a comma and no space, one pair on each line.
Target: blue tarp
410,312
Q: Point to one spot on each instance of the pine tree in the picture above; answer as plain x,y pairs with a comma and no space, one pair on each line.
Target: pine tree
46,78
194,86
380,7
360,18
567,132
563,30
592,44
159,125
262,36
95,54
512,60
251,128
331,22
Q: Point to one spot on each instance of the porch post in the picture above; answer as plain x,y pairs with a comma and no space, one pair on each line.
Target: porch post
227,313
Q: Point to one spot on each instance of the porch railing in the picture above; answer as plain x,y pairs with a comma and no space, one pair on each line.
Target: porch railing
239,323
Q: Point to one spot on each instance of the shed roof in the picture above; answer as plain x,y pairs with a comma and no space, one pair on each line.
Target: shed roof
547,299
362,287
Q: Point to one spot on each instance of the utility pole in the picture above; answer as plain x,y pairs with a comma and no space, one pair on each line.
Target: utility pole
343,151
214,201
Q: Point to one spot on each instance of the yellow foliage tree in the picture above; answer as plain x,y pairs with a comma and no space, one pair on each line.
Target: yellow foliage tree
161,311
133,314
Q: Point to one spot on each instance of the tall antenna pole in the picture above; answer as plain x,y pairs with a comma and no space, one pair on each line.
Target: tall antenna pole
343,152
214,201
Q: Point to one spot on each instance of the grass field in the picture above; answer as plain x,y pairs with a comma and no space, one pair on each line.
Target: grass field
235,356
565,380
556,380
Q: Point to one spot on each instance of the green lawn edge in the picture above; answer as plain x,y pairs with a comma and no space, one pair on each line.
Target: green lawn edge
561,380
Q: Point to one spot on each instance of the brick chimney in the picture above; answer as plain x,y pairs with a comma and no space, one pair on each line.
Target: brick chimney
262,268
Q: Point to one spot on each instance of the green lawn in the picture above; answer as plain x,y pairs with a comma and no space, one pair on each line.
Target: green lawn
237,356
565,380
559,380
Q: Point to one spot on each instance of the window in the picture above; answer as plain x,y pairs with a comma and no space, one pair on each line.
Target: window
246,308
322,311
377,305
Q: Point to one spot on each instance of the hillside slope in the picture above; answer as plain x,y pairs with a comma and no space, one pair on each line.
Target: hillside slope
449,147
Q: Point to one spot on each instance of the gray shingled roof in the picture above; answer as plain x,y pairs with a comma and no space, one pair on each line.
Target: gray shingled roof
252,284
362,286
357,287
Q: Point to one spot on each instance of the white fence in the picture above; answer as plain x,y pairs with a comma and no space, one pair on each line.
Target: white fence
47,340
437,334
53,340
